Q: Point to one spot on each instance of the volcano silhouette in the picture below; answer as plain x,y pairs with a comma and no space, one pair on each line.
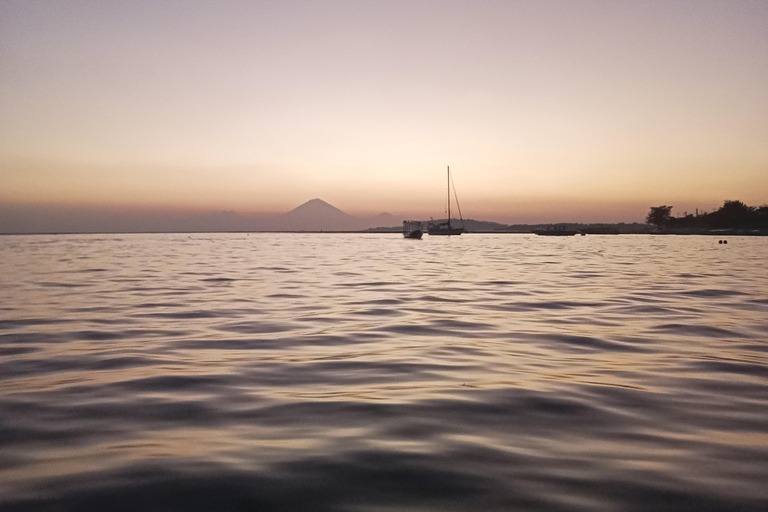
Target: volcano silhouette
317,215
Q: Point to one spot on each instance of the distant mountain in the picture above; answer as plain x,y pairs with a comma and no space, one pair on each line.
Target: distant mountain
314,215
315,207
318,215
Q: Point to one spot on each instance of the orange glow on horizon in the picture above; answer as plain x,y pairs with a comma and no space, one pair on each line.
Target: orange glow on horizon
571,112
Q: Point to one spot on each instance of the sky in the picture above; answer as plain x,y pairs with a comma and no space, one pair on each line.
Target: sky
545,110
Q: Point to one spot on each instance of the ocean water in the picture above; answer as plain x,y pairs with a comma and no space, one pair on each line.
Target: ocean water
356,372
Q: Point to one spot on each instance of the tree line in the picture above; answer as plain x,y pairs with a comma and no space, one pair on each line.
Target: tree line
732,215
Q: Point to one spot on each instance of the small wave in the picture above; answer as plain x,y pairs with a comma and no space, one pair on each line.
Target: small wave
414,329
590,343
378,312
174,383
34,338
368,284
26,322
29,367
49,284
255,327
712,293
585,275
152,305
183,315
462,325
696,330
379,302
741,368
551,304
98,335
435,298
15,351
236,344
645,309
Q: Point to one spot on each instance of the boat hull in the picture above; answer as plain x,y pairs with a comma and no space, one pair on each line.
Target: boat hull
446,231
556,233
417,234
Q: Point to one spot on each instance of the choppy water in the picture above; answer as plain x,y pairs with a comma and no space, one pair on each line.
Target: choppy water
370,373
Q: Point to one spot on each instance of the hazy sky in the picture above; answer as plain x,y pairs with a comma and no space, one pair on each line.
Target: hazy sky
577,110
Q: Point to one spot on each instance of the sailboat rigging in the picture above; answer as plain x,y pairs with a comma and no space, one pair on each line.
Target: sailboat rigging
445,227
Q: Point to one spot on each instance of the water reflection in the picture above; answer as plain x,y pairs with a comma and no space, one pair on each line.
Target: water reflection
337,372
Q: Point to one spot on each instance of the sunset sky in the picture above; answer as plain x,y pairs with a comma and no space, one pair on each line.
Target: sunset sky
545,110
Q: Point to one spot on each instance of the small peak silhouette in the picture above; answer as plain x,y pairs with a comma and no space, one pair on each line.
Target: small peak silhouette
316,207
316,215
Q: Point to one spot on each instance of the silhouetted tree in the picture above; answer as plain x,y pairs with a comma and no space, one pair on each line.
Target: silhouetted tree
732,214
659,216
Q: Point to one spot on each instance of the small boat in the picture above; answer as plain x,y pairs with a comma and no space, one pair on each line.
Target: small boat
412,229
445,227
556,230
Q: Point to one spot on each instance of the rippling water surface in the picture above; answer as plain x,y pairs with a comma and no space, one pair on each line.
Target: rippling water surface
370,373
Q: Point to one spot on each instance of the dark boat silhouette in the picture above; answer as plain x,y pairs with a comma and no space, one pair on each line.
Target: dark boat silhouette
556,230
412,229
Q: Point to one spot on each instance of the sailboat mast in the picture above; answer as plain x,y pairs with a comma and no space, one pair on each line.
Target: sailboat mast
449,196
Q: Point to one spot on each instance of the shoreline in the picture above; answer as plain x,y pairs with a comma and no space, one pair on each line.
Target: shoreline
331,232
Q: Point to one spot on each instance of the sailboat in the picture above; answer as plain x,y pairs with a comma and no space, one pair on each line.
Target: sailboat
445,227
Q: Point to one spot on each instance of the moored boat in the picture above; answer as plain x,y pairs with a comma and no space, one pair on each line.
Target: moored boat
412,229
556,230
444,228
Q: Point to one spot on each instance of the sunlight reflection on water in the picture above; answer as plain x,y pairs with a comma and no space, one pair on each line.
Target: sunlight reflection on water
350,371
